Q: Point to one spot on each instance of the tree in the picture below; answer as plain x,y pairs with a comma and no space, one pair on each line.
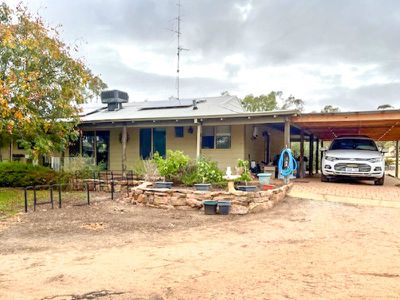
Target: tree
385,106
262,102
293,103
41,84
330,109
270,102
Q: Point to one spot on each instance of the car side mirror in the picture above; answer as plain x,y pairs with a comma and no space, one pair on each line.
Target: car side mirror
323,149
384,150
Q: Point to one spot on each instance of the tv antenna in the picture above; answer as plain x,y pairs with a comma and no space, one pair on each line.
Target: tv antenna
179,48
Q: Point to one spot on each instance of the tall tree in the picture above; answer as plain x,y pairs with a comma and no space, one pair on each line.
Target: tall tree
385,106
262,102
330,109
293,103
41,84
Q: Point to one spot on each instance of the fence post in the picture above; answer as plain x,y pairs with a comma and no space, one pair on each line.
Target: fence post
59,196
112,185
26,199
51,197
87,194
34,198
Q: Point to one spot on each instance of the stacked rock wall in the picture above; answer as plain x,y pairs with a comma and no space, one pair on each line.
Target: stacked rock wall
187,199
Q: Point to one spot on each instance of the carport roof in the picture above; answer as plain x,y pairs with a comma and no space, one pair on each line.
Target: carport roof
381,125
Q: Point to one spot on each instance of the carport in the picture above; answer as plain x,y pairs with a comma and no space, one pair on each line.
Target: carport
380,125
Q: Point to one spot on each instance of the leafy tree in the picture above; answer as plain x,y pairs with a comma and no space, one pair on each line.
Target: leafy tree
262,102
293,103
385,106
41,84
330,109
270,102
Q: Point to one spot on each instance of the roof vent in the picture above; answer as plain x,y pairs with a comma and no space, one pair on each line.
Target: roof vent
195,104
114,99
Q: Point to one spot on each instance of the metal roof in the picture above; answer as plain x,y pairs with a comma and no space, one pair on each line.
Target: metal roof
208,107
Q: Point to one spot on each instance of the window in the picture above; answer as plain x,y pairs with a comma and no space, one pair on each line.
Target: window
223,137
179,132
207,140
152,141
216,137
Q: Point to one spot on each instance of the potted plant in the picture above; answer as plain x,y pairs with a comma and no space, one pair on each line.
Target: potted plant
245,176
207,173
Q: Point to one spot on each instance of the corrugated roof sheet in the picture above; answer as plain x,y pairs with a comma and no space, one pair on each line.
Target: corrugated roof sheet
211,107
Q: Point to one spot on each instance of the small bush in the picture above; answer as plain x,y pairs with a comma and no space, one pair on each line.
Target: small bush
245,175
190,175
17,174
171,167
208,171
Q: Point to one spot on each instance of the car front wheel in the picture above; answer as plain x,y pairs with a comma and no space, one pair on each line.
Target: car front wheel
380,181
324,178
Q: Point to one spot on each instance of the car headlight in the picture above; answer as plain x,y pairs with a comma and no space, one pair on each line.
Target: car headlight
330,158
375,160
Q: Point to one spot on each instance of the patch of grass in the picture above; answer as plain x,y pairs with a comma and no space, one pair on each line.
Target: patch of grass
12,200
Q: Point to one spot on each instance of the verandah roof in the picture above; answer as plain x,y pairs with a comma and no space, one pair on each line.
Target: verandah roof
381,125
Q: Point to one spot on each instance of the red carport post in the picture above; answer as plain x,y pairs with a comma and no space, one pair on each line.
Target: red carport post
397,159
317,156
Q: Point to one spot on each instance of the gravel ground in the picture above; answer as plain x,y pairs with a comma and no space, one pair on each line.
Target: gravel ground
114,250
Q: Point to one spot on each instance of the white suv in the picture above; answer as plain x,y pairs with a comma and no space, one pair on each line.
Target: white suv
356,157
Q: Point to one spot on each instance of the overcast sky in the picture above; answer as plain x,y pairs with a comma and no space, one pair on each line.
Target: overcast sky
345,53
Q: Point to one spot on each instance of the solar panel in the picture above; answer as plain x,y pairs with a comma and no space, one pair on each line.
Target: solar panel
168,104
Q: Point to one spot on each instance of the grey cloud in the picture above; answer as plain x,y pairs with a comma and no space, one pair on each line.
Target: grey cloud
363,98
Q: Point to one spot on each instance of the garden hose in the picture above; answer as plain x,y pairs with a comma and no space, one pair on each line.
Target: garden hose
288,166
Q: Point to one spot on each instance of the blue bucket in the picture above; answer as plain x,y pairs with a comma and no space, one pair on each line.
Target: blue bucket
264,178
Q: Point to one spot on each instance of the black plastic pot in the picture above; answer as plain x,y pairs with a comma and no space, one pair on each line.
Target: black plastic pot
163,184
224,207
247,188
210,207
202,186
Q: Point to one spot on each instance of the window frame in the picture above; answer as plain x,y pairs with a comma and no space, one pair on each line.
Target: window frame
215,137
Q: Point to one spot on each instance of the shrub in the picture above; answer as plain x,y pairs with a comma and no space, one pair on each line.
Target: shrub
18,174
245,175
150,170
171,167
190,175
208,171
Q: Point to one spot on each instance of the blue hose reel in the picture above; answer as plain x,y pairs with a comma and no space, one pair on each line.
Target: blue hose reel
287,165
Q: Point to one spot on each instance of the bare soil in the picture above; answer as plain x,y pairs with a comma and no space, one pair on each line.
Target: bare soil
114,250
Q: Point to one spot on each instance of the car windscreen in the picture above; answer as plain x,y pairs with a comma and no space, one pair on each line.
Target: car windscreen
353,144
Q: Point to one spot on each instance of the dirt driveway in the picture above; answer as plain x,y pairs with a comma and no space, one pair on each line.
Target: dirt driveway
300,249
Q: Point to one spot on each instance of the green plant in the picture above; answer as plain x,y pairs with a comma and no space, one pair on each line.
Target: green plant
244,166
190,175
17,174
208,171
138,169
150,170
172,166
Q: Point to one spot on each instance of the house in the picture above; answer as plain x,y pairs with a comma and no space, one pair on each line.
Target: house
119,134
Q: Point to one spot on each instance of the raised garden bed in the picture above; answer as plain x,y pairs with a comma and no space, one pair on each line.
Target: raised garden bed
190,199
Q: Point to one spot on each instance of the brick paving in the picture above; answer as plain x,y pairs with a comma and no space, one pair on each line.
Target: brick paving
352,192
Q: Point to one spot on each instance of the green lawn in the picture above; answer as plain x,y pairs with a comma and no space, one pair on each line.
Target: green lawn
12,199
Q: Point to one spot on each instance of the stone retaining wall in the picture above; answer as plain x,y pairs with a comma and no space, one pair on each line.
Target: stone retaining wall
187,199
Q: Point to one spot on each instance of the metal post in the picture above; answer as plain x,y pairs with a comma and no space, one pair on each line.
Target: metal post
301,167
397,160
317,156
286,133
112,186
59,196
26,199
311,156
87,194
51,197
34,198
